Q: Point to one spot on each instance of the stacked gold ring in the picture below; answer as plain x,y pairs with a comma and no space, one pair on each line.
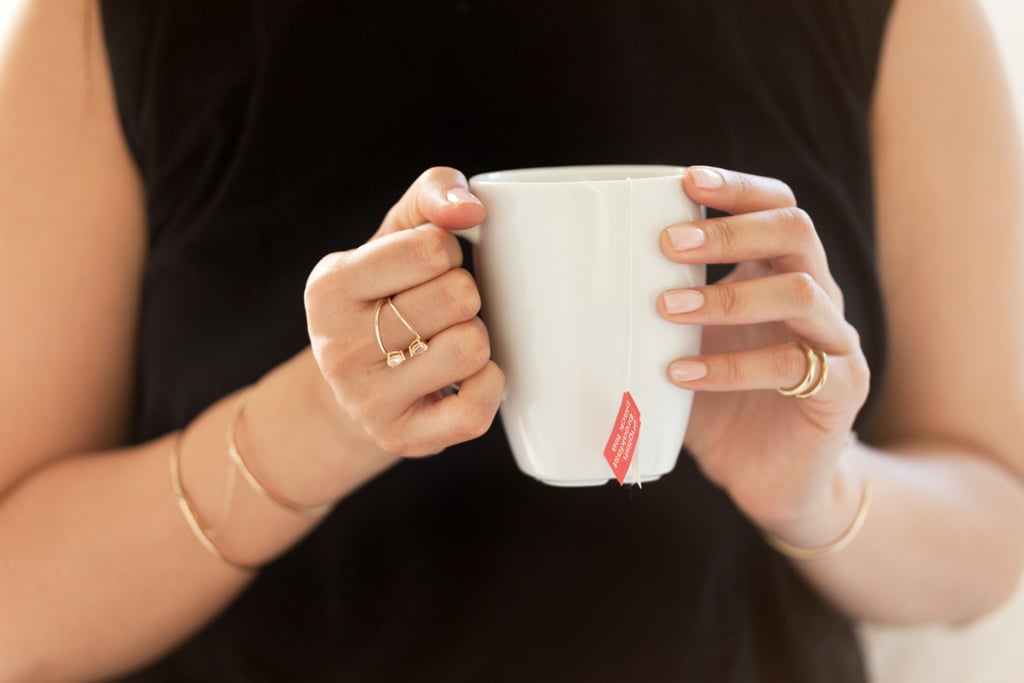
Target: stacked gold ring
816,376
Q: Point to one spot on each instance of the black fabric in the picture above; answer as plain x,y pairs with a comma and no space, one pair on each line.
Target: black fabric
270,133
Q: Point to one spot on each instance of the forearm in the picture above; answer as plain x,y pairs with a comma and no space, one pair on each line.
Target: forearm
943,539
90,538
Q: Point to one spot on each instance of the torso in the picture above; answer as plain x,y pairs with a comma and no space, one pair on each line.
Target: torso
271,133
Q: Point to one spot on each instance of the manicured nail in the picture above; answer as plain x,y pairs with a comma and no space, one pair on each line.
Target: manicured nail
685,237
687,370
705,178
458,195
683,300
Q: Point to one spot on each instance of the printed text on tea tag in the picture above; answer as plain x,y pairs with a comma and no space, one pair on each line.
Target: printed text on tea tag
622,442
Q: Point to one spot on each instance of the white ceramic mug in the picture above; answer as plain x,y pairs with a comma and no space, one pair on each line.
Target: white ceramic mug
570,271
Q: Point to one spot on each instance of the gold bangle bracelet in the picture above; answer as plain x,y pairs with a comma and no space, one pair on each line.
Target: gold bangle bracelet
236,457
189,512
799,553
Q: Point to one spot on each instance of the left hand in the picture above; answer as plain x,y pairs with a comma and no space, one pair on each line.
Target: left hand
776,456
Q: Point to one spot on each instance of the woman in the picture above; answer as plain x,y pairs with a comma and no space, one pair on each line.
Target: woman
180,170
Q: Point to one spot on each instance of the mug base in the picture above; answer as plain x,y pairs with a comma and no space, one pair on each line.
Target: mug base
580,483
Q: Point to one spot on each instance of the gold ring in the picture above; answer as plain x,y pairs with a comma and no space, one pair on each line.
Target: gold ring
814,380
812,371
396,358
822,378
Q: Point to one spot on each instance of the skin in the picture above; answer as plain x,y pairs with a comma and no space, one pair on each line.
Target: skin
97,531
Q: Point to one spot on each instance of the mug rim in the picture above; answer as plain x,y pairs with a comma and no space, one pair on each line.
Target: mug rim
593,173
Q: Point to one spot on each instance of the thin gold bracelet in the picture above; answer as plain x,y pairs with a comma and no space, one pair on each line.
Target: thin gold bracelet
799,553
189,512
236,457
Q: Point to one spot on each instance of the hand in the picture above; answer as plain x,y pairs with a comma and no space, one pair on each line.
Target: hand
414,259
777,456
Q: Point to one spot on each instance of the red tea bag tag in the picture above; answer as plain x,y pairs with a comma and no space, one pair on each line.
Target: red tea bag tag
622,443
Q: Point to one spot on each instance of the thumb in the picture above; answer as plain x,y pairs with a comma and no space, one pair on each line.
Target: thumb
440,196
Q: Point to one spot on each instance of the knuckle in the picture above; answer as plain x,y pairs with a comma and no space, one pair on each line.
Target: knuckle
798,220
322,281
497,376
742,183
461,294
482,422
787,194
835,294
395,213
801,229
475,422
473,348
721,234
803,289
853,334
727,298
861,377
431,247
729,372
860,371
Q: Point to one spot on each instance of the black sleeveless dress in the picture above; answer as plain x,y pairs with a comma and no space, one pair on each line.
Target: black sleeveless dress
270,133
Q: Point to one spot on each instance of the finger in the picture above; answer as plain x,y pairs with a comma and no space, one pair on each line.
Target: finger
794,299
440,196
734,192
432,307
454,354
430,420
441,422
772,367
785,238
384,266
381,398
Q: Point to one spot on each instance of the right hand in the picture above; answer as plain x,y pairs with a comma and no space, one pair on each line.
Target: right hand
414,259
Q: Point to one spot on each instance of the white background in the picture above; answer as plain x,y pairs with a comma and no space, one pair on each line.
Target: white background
1008,25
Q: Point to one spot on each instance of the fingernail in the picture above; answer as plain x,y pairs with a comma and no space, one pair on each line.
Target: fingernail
687,370
705,178
458,195
683,300
685,237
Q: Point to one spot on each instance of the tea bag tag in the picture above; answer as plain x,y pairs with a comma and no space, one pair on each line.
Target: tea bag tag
622,443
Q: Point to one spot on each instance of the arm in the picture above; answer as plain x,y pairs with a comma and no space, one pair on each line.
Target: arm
951,242
944,538
88,530
72,222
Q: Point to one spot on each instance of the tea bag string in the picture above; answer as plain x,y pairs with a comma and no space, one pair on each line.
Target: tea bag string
635,465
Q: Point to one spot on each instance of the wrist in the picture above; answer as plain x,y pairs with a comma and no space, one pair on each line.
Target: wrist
300,442
833,522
